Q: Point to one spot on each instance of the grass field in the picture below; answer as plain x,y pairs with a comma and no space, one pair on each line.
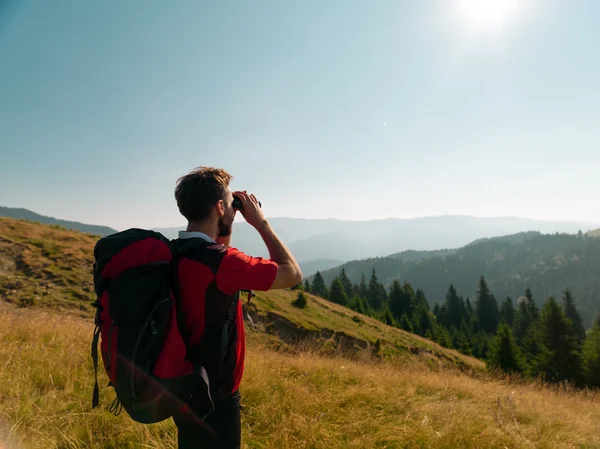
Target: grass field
301,400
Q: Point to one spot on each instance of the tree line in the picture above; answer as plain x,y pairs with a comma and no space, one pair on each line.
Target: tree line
550,342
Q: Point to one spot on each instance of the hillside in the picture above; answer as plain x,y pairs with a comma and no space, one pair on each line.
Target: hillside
48,267
595,233
546,263
322,243
24,214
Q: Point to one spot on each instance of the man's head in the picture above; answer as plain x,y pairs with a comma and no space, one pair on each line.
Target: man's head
203,195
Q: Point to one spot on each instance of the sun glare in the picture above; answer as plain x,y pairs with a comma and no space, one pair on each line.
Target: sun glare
486,15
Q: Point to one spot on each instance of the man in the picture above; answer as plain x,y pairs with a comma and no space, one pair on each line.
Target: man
211,275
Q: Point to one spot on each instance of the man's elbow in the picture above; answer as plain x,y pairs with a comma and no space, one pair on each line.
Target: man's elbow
288,276
297,276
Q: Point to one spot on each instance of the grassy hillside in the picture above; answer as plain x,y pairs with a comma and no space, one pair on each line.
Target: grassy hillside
546,263
315,377
595,233
24,214
45,265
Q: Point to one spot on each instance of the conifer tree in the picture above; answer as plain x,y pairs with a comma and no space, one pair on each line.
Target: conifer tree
307,286
363,290
399,301
300,300
318,286
406,323
572,313
507,312
451,314
376,296
346,283
503,352
337,293
486,308
591,357
524,318
559,358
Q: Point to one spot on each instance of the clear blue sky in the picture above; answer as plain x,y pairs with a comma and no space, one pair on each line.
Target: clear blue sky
345,109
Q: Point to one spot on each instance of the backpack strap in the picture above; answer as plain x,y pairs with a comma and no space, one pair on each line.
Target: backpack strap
225,330
96,394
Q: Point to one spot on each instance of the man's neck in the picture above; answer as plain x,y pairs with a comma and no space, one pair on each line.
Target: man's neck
210,229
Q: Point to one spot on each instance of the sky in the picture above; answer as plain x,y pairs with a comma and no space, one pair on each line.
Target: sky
351,110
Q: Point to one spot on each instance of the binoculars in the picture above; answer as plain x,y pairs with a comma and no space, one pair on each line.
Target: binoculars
237,203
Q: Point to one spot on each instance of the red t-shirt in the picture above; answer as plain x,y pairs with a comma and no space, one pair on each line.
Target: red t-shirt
211,275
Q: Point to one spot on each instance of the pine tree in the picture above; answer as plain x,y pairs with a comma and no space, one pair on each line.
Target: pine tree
437,311
337,293
421,300
387,317
531,347
507,312
363,290
442,336
463,342
406,323
376,298
451,315
503,352
523,319
486,308
300,300
348,287
534,312
318,286
591,357
307,286
559,358
422,322
399,301
572,313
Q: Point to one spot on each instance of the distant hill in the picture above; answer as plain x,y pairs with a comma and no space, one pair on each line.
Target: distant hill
595,233
24,214
324,242
547,263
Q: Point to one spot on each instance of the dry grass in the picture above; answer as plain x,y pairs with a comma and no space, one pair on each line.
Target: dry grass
289,401
45,266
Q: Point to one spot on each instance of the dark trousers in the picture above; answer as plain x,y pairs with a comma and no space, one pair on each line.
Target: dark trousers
221,430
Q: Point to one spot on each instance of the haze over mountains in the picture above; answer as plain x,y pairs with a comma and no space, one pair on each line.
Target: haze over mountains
319,244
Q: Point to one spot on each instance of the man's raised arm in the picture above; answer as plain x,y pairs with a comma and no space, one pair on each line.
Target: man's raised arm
288,270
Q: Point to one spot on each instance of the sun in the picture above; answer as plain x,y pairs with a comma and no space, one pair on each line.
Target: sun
486,16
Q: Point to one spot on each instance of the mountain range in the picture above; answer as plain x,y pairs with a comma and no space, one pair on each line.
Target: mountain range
322,244
546,263
319,244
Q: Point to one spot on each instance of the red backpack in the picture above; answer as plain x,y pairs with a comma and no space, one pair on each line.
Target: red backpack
138,322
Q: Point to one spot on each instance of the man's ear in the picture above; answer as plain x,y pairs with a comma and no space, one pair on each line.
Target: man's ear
220,208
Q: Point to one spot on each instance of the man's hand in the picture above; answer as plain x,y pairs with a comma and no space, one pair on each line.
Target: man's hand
251,212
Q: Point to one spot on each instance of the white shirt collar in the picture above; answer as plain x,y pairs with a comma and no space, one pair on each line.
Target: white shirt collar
195,234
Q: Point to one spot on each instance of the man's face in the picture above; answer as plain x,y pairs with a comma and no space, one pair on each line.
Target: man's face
226,221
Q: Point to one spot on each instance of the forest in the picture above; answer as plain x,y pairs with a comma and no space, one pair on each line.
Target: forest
514,336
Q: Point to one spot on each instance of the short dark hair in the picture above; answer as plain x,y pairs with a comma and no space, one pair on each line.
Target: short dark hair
198,191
